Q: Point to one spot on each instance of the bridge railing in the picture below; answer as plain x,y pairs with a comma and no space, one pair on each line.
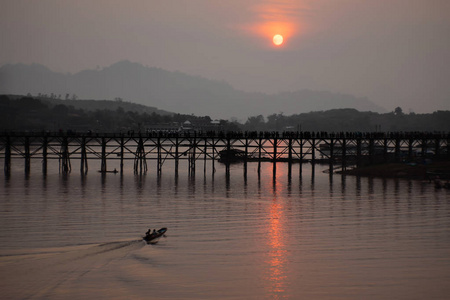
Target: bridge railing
240,134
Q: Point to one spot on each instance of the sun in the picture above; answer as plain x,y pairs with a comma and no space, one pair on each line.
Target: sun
277,39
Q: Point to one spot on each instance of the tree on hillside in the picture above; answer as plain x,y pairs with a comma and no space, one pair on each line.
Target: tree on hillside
398,111
255,123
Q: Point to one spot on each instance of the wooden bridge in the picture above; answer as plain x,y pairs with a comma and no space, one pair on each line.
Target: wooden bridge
339,150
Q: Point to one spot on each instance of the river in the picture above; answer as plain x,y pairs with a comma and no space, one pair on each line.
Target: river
308,236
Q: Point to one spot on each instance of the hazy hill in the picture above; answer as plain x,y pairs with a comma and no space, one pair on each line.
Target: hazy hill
92,105
170,91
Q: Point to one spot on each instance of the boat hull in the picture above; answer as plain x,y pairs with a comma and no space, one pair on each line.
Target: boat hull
154,237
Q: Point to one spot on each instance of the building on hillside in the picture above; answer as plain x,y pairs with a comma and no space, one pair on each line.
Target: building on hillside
186,126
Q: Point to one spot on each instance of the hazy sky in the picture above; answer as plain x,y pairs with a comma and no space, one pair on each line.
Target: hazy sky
395,52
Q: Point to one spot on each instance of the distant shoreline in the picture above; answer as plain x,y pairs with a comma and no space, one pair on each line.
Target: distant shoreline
423,171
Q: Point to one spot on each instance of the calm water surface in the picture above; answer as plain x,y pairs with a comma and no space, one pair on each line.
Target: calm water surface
313,236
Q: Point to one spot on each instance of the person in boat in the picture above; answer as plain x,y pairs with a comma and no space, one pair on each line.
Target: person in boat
154,232
148,232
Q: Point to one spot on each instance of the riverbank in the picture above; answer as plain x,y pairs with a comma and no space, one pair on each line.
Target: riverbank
404,170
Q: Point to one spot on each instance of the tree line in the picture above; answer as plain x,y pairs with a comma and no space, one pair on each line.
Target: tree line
36,114
351,120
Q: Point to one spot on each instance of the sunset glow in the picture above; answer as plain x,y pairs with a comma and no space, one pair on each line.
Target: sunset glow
277,21
272,29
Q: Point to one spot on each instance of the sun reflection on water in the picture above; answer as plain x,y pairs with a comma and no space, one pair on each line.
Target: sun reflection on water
276,260
277,254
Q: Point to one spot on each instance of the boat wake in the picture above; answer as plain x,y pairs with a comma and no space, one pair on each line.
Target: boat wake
69,272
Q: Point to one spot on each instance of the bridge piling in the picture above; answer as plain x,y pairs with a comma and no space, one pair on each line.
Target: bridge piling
193,156
397,153
64,161
245,157
331,157
103,167
159,158
205,155
358,152
344,154
122,146
275,153
177,155
259,155
44,154
27,155
83,162
140,163
290,146
7,166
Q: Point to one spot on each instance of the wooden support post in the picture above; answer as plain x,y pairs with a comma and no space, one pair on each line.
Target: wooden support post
344,154
176,155
227,162
65,166
424,147
7,167
385,150
122,146
397,149
259,155
358,152
27,155
140,163
246,158
300,170
437,148
313,151
371,150
189,155
83,164
44,154
193,155
205,155
410,148
290,158
103,157
331,158
213,156
159,158
275,152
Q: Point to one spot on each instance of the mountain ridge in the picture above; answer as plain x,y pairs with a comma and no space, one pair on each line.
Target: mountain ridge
170,91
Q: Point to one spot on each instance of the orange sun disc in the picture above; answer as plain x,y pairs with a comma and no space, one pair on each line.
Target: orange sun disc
277,39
